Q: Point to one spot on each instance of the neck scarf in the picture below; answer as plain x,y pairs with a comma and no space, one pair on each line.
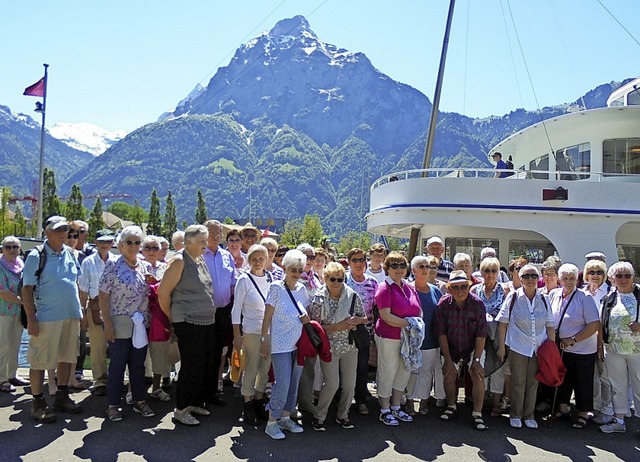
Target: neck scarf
15,267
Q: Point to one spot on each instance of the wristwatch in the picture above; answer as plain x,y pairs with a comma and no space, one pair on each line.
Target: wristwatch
574,339
263,339
476,360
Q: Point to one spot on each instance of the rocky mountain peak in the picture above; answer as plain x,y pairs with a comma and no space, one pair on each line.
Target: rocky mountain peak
297,26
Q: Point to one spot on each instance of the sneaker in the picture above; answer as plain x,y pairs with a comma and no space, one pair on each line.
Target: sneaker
7,387
399,414
114,414
273,430
530,423
362,409
161,395
603,419
141,407
184,417
290,425
129,398
200,411
613,427
40,412
318,425
345,423
19,382
65,404
515,423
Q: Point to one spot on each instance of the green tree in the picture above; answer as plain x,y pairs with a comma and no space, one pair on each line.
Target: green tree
292,235
19,222
184,224
312,230
95,220
201,210
50,200
354,239
170,225
229,221
154,225
74,210
137,215
121,210
5,193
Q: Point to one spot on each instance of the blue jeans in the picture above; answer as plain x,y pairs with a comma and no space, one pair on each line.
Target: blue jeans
123,354
284,392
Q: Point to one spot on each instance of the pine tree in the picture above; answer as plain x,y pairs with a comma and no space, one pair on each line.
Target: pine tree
137,214
170,224
74,210
19,222
50,201
201,211
95,220
154,225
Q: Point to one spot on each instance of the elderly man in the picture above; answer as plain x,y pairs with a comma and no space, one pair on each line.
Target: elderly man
249,235
55,327
89,283
82,245
223,275
177,240
435,247
461,327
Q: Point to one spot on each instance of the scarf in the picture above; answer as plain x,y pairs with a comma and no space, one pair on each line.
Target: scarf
15,267
310,279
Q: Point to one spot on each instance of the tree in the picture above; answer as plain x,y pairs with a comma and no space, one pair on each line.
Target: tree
50,200
74,210
170,225
154,225
95,220
312,230
19,222
121,210
352,240
228,221
201,210
137,215
292,235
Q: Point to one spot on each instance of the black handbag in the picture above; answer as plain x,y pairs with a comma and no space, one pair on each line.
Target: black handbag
315,339
359,335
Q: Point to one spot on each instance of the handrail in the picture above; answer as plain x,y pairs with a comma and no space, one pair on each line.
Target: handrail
427,173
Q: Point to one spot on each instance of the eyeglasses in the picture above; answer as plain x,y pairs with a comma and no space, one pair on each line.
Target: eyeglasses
311,257
332,279
234,240
296,270
358,260
398,265
271,250
249,236
132,242
461,287
72,236
82,231
280,255
151,249
625,276
517,268
529,276
11,247
595,273
490,270
432,268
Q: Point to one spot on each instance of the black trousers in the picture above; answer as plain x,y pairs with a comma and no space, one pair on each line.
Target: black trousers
223,337
578,379
362,376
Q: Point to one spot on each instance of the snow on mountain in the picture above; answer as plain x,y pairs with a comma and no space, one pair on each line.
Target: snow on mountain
86,137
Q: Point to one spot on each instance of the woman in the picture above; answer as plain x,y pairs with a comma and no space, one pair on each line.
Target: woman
434,263
577,321
622,339
515,266
396,300
248,310
431,370
309,278
597,286
281,330
272,247
10,327
234,246
158,351
123,301
186,297
525,323
322,258
280,253
338,309
492,294
377,254
549,276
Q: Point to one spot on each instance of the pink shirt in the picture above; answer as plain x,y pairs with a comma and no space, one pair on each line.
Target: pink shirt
404,303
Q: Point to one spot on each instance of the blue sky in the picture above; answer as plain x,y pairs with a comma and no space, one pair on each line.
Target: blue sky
120,64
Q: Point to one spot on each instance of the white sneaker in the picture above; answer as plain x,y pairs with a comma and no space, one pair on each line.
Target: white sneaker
290,425
161,395
273,430
602,419
613,427
515,423
530,423
129,398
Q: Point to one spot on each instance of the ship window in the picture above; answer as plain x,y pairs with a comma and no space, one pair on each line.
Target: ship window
574,159
617,102
630,253
540,163
633,98
621,156
471,246
536,251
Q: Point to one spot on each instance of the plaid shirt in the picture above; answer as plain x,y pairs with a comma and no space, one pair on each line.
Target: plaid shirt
461,325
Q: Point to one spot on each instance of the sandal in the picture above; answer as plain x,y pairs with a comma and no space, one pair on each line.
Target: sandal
424,407
448,414
388,419
7,387
478,423
580,423
496,411
562,415
409,408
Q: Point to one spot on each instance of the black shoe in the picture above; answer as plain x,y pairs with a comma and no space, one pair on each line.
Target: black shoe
216,400
18,382
249,413
99,390
65,404
261,411
318,425
166,383
40,412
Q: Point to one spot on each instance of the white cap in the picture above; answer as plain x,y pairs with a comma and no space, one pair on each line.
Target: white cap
434,240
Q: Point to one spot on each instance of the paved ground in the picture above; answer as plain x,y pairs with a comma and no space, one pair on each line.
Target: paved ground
222,436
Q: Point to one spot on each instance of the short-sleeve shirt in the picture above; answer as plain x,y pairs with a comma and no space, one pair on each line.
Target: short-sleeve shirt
403,301
429,303
286,327
582,310
9,283
126,286
92,268
366,290
501,165
461,325
248,303
622,339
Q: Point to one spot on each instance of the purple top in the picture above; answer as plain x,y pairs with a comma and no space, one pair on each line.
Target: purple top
403,302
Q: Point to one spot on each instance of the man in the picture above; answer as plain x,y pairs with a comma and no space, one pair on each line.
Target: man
177,240
365,286
501,167
82,245
84,250
92,268
55,327
223,276
461,327
377,253
249,235
490,252
435,247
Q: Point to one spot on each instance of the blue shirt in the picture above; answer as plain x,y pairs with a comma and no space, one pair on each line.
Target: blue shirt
56,294
500,165
429,303
223,274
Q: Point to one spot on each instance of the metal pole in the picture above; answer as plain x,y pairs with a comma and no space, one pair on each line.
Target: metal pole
41,174
436,98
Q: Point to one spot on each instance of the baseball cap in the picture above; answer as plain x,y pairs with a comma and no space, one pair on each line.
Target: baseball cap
55,222
105,235
434,240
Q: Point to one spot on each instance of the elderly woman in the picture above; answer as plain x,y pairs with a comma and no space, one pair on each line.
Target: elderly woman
322,258
434,263
430,374
248,310
549,276
492,294
285,312
234,246
271,245
186,297
280,253
396,300
621,334
123,302
462,261
309,278
577,321
525,323
338,309
10,327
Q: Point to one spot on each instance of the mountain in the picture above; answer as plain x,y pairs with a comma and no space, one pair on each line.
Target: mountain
20,153
86,137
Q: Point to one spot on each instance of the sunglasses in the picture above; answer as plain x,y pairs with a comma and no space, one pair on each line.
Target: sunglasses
432,268
311,257
625,276
332,279
358,260
271,250
11,247
517,268
460,287
234,240
296,270
82,231
529,276
73,236
132,242
595,273
398,265
280,255
492,270
151,249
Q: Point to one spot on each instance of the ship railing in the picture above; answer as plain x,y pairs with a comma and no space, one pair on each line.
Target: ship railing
517,174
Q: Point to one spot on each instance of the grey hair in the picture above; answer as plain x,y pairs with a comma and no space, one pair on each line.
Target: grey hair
163,240
619,267
549,265
294,258
128,231
257,248
489,262
177,238
417,260
487,252
269,241
10,239
84,224
305,248
568,268
460,257
527,269
151,239
194,231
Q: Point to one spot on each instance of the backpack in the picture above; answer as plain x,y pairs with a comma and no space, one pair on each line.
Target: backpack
509,165
41,264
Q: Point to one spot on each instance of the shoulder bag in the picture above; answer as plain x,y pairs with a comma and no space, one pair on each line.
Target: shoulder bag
315,339
358,335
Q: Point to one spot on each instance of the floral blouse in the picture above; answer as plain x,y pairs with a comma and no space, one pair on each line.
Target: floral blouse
621,339
126,286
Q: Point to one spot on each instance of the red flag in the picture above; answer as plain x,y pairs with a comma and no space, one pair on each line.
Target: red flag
37,89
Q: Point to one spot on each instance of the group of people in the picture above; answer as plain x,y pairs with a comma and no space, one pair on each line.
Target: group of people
312,327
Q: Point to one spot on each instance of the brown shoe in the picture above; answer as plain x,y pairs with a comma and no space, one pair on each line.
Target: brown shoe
65,404
40,412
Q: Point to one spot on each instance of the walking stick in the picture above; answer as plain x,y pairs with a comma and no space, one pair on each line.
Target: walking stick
555,396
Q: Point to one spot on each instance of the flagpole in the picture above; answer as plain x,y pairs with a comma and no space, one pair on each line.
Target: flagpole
41,173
